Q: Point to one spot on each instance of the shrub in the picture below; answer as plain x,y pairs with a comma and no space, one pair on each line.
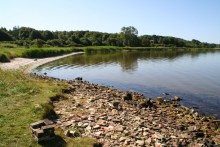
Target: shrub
43,53
4,58
38,43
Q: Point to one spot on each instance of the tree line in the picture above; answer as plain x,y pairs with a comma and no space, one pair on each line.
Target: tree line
25,36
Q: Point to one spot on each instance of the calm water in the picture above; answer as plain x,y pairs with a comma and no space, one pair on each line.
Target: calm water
192,75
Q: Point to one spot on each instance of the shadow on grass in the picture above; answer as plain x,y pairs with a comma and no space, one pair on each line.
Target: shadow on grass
58,141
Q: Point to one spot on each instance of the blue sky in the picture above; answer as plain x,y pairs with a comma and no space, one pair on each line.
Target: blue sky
187,19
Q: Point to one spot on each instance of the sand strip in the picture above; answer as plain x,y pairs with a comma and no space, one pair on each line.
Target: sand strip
27,64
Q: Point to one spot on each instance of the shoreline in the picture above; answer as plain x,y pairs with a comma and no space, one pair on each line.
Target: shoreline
28,64
117,118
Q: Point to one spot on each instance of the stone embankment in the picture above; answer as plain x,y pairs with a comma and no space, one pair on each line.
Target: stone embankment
117,118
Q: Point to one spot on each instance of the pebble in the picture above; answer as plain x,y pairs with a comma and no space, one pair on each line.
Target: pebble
140,142
118,118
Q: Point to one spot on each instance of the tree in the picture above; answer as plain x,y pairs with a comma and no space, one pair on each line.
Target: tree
129,36
145,40
38,43
24,33
47,35
129,30
4,36
35,35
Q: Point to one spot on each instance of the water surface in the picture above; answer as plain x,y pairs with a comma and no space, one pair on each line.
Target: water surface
192,75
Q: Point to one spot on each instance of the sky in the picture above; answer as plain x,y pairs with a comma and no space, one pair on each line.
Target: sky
187,19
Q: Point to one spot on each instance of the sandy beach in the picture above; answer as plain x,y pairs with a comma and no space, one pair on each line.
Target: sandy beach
27,64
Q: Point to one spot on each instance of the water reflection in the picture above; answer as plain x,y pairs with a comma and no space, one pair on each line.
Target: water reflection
191,74
128,60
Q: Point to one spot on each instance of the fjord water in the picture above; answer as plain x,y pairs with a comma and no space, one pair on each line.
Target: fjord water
194,75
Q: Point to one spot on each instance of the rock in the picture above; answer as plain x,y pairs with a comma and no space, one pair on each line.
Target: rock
80,124
114,112
126,132
127,97
184,135
67,124
75,133
176,98
165,93
122,139
78,78
110,128
97,145
116,104
85,125
145,104
89,128
148,141
191,128
127,141
91,119
199,134
157,144
96,127
140,142
119,128
117,121
114,136
159,100
98,134
145,134
67,133
137,121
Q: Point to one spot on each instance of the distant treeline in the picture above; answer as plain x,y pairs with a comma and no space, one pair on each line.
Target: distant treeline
24,36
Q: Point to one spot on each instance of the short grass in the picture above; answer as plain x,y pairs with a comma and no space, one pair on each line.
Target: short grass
21,100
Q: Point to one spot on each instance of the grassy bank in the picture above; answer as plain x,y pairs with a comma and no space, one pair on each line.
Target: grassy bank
10,51
23,100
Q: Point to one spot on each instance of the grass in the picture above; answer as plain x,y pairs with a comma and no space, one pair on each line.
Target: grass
22,102
10,51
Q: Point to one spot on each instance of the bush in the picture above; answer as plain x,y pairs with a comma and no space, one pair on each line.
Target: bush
56,42
4,58
43,53
38,43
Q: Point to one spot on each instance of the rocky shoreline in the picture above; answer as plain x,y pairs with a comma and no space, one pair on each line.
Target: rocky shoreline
117,118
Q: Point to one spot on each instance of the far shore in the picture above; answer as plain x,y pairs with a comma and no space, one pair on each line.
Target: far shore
28,64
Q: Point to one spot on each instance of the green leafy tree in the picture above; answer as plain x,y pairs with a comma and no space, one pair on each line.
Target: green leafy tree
24,33
35,35
4,36
129,36
47,35
38,43
145,41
